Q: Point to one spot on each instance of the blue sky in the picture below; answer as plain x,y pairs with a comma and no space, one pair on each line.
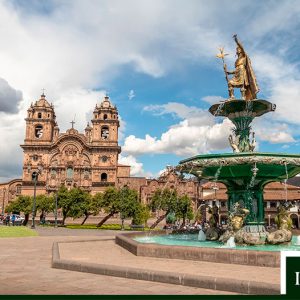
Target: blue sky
156,60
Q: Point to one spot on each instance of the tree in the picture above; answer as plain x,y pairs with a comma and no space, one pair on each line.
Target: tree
184,209
110,203
21,204
141,215
94,206
91,206
129,202
124,201
44,204
64,202
164,200
79,203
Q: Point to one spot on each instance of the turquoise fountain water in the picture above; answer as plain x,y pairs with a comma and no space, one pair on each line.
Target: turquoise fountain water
191,240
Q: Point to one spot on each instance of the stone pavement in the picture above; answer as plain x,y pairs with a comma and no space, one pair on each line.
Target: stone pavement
25,265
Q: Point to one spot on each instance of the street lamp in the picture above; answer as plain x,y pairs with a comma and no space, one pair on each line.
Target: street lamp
55,215
122,208
4,190
34,177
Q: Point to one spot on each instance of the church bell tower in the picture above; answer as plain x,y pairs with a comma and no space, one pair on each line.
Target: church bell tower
104,140
41,127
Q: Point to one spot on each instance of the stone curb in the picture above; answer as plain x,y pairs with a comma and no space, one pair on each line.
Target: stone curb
200,281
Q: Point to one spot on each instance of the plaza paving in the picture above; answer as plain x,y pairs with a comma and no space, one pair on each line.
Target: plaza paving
26,266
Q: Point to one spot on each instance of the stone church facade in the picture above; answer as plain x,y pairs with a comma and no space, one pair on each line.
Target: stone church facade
87,160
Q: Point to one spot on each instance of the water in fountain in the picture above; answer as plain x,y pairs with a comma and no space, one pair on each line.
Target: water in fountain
219,109
297,240
230,243
201,236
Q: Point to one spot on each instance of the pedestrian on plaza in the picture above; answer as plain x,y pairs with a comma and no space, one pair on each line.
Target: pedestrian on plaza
13,219
7,220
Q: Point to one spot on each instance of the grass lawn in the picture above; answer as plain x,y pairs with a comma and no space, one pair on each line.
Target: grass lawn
16,231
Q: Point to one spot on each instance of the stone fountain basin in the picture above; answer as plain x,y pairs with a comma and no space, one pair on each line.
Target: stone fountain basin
238,166
239,107
220,255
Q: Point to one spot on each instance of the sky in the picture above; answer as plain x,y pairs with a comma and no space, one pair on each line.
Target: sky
156,59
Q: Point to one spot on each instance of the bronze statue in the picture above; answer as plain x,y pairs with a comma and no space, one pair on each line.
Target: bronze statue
283,219
243,75
237,217
214,218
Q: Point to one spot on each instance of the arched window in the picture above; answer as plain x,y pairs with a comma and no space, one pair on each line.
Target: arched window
70,173
103,177
38,131
104,133
39,115
18,189
53,173
105,117
86,174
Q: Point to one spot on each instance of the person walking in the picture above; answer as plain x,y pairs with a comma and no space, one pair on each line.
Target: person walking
7,220
13,219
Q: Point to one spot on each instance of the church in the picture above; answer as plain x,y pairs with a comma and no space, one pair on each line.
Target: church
86,160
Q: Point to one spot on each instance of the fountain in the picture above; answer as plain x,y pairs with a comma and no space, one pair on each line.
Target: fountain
244,172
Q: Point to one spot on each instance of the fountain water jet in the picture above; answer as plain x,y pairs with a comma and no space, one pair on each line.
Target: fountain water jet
202,236
230,243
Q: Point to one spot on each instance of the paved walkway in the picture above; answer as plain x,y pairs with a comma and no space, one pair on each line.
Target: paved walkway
26,269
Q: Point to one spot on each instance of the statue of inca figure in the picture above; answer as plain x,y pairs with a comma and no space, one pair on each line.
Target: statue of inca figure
243,75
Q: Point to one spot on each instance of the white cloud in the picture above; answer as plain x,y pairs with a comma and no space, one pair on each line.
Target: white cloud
269,129
69,104
194,115
136,166
213,99
184,139
131,94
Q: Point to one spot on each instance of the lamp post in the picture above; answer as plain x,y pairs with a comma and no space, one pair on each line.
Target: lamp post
34,177
55,216
4,191
122,208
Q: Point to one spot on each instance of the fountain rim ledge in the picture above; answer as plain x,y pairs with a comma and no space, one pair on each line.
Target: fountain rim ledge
225,156
223,255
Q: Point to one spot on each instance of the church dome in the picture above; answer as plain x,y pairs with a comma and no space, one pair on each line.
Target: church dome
106,103
42,102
